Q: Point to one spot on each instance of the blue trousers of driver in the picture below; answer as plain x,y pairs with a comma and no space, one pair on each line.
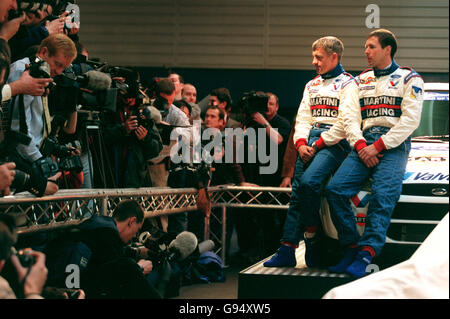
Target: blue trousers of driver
307,184
387,177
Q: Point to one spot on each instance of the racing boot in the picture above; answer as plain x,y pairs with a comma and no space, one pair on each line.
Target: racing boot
347,260
358,267
284,257
312,254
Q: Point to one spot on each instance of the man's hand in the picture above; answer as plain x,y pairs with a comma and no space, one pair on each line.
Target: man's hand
28,85
7,173
141,132
306,153
131,124
57,25
286,182
369,155
35,280
147,265
248,184
259,118
10,28
52,186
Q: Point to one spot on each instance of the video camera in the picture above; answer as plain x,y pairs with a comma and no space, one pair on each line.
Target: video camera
252,102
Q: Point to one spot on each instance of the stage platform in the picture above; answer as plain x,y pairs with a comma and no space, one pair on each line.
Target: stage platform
259,282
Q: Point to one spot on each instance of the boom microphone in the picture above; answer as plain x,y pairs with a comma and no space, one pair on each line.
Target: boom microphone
204,246
94,80
183,245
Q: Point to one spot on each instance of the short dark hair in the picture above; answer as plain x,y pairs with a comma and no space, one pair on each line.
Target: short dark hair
180,78
385,37
223,95
165,85
181,103
128,208
221,111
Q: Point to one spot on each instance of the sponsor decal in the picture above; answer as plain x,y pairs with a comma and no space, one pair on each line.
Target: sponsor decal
428,159
360,219
395,76
425,176
380,106
416,92
393,83
324,106
368,87
367,80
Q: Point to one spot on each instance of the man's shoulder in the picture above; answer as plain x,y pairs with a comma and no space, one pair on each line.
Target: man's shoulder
97,222
17,68
175,116
280,120
20,64
408,73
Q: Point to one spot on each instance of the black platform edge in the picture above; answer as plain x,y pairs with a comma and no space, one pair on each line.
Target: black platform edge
259,282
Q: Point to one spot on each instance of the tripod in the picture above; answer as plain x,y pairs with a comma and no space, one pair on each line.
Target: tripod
92,130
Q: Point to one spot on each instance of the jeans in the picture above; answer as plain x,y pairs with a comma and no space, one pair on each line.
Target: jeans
387,178
307,184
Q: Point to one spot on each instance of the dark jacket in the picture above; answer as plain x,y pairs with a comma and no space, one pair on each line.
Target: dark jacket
126,154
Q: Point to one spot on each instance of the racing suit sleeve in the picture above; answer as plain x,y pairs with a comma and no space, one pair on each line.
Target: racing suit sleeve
409,120
337,132
303,121
351,115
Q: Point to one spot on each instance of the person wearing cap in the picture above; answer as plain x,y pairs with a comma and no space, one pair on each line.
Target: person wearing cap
320,141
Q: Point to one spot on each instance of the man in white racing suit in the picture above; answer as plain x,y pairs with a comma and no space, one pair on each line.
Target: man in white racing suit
381,110
319,138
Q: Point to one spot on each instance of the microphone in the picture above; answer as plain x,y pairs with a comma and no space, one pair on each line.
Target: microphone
204,246
155,114
94,80
183,246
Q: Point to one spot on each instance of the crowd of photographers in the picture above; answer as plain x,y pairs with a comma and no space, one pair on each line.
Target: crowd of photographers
69,122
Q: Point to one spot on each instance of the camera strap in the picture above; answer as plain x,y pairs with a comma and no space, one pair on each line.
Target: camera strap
23,127
47,118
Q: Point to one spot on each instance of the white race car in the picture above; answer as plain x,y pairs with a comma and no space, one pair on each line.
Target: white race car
424,200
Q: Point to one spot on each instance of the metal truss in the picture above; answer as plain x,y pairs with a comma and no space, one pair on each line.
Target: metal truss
67,208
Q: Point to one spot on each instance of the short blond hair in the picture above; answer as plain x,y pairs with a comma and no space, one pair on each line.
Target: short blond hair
330,44
59,43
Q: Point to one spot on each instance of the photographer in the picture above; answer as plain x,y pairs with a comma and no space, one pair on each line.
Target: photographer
9,176
112,270
30,114
33,278
130,134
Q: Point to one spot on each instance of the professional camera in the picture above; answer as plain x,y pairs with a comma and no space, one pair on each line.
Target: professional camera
252,102
24,256
67,161
39,68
